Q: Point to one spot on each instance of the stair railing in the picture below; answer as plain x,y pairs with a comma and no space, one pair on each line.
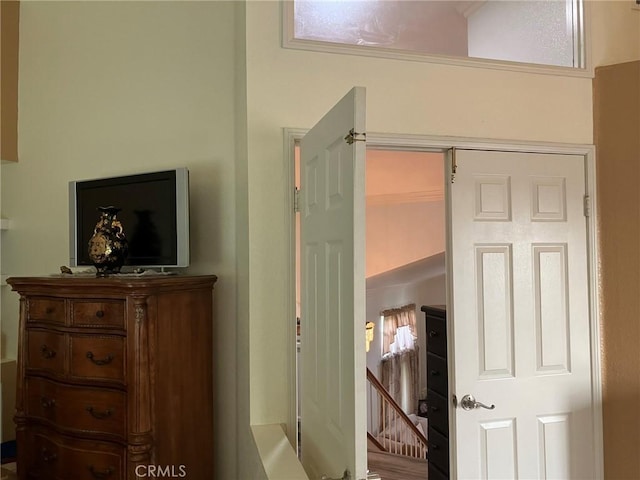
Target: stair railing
389,425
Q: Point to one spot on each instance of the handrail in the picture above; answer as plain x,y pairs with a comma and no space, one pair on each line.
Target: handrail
376,442
385,394
407,439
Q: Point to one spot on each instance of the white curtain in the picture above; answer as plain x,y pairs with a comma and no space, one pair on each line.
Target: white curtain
400,378
393,320
399,368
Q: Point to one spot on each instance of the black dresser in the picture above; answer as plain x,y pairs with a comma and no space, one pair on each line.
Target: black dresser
437,392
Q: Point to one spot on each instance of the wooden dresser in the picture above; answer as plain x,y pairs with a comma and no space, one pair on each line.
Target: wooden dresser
115,377
437,392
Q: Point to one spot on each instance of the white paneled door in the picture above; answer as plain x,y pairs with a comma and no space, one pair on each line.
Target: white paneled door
520,317
332,351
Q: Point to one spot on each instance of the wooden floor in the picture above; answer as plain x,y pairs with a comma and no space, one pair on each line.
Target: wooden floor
396,467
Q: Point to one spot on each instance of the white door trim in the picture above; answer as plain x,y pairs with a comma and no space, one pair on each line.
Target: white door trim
441,143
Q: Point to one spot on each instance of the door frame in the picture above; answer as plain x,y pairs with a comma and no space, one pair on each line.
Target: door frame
446,144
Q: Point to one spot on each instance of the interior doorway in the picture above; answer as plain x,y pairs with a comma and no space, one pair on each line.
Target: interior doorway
405,267
481,197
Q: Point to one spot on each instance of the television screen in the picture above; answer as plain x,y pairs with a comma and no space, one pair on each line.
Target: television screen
154,213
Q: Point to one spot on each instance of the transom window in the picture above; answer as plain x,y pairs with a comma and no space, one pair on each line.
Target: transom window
537,32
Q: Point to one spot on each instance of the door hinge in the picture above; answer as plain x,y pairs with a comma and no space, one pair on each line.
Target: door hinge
454,165
354,136
587,205
296,199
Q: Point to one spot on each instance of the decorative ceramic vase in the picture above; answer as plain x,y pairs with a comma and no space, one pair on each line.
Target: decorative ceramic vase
108,245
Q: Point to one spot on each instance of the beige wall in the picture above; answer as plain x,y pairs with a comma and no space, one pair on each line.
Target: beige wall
617,138
117,87
405,206
109,88
615,32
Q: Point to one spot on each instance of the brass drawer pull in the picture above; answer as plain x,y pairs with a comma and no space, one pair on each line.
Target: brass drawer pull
435,373
49,310
47,456
433,333
99,415
47,352
100,313
106,473
47,402
105,361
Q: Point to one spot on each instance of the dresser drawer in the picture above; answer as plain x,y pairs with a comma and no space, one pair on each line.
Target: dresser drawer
437,335
437,374
438,409
104,313
435,474
438,453
56,457
46,310
46,351
98,357
44,458
76,408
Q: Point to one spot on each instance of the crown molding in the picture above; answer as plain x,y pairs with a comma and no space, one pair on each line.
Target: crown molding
431,195
423,269
468,8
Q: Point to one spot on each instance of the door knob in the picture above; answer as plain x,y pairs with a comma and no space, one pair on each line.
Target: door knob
468,402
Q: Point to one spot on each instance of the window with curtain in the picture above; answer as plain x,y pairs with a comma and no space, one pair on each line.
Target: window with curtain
399,367
399,329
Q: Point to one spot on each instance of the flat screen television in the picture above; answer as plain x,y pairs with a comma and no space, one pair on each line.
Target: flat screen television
154,215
